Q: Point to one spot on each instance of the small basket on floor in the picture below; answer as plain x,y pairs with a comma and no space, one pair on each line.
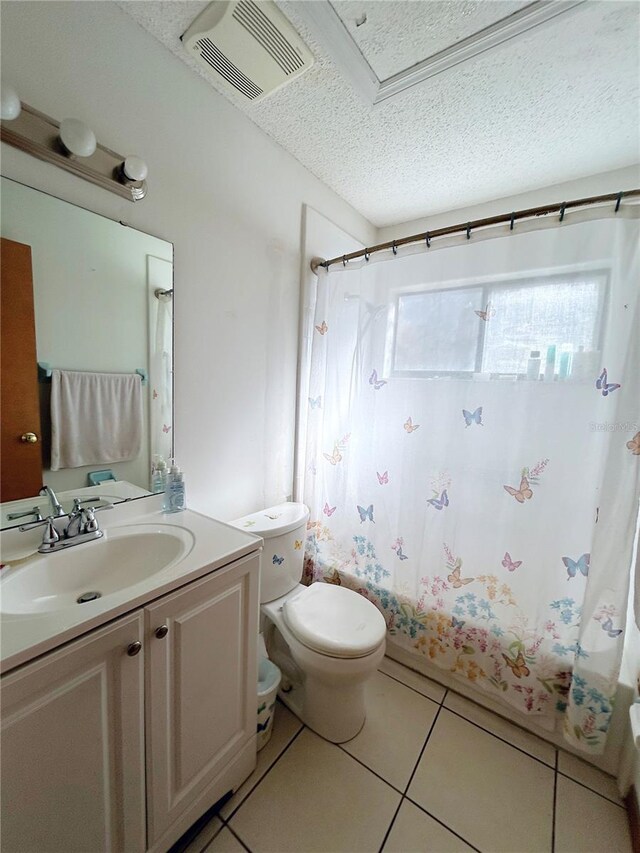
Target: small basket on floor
268,682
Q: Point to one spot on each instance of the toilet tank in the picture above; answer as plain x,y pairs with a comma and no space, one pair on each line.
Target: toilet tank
283,529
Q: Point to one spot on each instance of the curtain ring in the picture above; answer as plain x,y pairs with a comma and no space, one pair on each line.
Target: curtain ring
344,260
468,230
618,200
367,254
395,251
564,204
428,240
513,218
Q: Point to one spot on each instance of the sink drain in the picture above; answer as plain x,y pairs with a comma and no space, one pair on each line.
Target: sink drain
88,596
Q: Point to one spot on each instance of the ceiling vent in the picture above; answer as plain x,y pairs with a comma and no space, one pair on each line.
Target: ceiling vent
250,47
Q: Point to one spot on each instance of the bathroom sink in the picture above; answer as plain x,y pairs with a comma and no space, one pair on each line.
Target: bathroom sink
76,576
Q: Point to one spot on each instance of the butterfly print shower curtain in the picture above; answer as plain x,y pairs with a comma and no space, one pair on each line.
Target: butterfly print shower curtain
160,360
497,542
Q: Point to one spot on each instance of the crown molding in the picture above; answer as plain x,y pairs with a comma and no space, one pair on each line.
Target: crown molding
328,28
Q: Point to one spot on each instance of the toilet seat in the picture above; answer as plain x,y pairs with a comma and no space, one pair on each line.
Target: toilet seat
335,621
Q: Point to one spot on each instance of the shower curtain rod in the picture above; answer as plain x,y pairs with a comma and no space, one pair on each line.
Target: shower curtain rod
468,227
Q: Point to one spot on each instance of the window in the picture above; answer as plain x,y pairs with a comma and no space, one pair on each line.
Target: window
438,331
493,328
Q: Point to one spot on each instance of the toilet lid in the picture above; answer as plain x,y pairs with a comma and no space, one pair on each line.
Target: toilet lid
274,521
334,620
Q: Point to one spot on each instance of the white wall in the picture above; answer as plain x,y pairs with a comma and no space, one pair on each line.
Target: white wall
225,194
606,182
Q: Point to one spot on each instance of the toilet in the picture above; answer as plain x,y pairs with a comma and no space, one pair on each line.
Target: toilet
326,639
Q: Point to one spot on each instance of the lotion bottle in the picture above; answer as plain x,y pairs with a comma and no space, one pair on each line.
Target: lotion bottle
177,495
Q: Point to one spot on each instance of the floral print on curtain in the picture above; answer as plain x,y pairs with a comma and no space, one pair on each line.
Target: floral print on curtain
490,520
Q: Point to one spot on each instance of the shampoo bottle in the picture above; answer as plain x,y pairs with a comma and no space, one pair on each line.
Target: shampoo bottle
585,365
550,365
565,365
533,365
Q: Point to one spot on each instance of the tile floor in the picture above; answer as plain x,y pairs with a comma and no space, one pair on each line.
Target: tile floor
429,772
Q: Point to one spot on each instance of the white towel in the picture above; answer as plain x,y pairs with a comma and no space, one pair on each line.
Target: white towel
95,418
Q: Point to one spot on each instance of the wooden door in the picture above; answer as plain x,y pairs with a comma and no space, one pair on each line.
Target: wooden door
21,473
200,695
72,770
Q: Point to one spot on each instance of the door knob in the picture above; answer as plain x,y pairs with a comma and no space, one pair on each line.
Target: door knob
162,632
134,648
29,438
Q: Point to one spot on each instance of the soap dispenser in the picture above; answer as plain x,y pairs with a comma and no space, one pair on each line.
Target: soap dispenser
174,496
178,494
173,470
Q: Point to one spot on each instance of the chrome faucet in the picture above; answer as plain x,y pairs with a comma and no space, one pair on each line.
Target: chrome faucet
82,527
56,508
76,521
82,519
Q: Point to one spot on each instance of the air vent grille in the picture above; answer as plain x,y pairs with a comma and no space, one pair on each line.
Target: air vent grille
251,47
232,74
253,19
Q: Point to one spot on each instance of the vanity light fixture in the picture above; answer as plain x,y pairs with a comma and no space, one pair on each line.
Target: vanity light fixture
11,106
134,169
77,138
72,145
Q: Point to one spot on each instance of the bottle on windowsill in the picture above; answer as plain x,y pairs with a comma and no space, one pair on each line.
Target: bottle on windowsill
533,365
550,364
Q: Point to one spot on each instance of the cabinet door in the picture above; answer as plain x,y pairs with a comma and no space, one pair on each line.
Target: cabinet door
72,770
201,688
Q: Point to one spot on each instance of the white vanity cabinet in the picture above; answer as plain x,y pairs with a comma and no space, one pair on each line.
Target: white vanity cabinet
72,750
110,747
201,683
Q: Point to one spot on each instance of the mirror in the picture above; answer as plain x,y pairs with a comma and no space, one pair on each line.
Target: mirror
100,298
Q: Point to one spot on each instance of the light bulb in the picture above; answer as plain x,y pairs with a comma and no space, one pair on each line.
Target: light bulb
77,138
135,169
11,106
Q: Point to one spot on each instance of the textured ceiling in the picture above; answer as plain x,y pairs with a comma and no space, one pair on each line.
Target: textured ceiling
397,35
556,103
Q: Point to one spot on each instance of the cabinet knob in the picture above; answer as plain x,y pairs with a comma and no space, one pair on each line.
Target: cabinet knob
162,632
134,648
29,438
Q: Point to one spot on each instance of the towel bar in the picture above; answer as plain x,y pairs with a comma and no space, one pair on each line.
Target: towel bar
44,372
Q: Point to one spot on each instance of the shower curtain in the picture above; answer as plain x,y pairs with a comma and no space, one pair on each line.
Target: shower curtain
160,277
488,514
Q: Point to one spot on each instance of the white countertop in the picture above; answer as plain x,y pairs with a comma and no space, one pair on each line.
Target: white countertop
25,636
